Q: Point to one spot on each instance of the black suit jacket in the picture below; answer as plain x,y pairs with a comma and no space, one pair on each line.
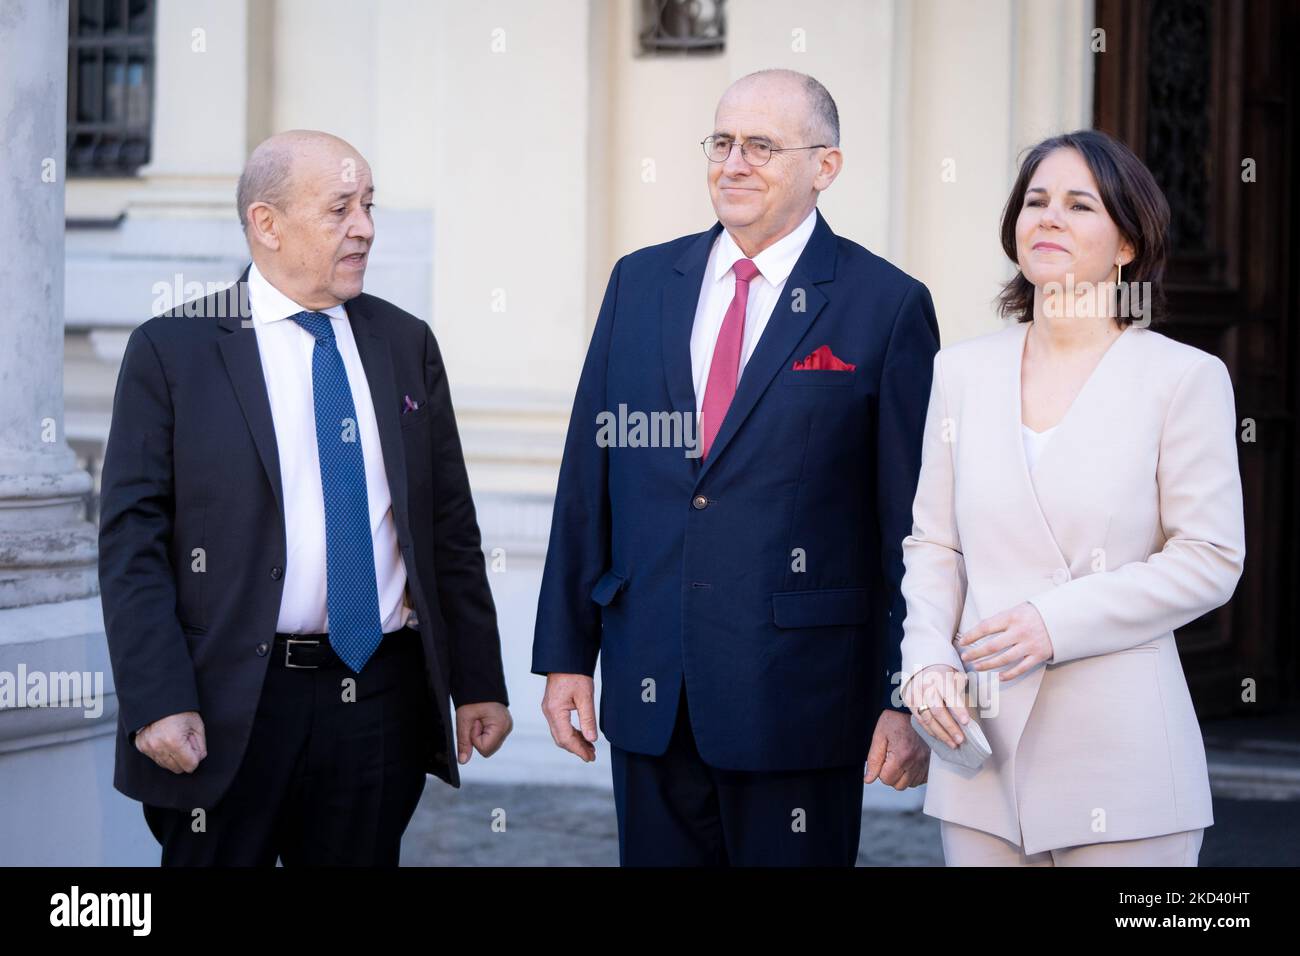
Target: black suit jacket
192,463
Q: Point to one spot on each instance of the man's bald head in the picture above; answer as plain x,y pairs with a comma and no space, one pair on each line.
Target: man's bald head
821,119
268,174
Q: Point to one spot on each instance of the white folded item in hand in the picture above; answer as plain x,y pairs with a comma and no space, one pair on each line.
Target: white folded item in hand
974,749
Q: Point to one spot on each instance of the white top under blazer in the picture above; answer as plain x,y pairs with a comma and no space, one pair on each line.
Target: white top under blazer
1034,442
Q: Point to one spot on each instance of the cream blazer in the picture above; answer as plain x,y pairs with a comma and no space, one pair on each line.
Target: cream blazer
1130,526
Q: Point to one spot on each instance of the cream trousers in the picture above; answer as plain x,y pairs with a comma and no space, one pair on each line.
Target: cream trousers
965,846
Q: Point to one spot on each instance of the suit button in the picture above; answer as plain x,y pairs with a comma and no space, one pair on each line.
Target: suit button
263,649
276,572
699,502
1060,576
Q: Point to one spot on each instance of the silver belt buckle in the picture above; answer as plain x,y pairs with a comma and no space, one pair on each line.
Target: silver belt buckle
288,648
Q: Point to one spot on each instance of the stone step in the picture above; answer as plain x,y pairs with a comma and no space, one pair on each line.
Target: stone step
1255,770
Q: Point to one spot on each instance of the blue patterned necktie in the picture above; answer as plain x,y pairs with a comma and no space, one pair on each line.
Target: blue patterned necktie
352,595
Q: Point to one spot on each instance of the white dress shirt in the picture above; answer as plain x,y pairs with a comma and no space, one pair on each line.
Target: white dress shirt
286,352
774,263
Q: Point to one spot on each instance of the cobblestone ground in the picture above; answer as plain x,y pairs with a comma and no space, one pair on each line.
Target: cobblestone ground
549,825
575,826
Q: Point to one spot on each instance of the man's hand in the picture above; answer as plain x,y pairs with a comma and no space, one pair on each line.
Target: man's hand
566,693
484,725
176,743
898,756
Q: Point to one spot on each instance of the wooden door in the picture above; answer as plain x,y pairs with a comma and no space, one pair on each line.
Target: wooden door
1205,92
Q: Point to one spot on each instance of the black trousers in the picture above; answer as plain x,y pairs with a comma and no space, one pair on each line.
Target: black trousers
676,810
328,779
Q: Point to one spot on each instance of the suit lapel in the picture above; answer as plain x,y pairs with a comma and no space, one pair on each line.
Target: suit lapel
681,297
377,360
1014,436
244,366
1080,431
799,305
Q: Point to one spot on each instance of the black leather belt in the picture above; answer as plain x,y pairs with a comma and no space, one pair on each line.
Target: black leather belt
312,651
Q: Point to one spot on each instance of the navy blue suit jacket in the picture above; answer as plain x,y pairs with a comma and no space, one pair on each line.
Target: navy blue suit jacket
669,567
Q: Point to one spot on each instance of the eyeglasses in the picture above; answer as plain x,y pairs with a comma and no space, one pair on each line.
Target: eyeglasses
757,152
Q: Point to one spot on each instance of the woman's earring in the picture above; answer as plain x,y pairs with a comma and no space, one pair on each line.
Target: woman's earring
1119,271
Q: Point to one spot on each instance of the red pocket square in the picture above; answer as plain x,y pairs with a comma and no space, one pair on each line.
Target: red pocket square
823,360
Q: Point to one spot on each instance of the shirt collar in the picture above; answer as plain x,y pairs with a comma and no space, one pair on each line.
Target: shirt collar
269,304
776,262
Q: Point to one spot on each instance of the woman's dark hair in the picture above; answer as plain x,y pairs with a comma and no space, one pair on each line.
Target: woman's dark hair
1131,197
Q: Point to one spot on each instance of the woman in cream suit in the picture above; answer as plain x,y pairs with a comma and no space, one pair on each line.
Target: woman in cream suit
1079,499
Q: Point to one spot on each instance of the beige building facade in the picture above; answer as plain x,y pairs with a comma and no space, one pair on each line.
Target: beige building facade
519,148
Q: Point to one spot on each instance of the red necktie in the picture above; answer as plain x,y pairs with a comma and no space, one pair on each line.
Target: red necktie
725,368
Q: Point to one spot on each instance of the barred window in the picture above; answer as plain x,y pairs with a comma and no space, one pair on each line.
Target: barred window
683,26
110,86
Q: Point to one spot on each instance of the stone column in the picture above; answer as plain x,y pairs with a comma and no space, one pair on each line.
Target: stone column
47,548
58,710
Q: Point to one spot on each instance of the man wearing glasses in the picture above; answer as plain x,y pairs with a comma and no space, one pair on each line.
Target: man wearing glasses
740,586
